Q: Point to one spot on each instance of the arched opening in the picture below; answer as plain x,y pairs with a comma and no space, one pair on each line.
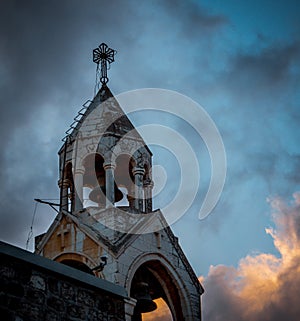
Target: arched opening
124,179
94,182
94,176
69,184
78,265
162,312
156,292
124,201
86,200
78,261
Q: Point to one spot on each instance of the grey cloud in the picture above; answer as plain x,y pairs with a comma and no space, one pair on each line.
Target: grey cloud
260,118
47,73
193,17
263,74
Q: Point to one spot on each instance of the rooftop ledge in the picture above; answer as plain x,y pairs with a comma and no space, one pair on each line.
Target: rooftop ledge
64,270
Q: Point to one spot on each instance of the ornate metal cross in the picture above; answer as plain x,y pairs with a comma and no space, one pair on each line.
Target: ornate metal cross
105,56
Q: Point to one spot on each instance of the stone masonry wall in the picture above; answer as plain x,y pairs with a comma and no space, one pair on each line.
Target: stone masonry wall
34,288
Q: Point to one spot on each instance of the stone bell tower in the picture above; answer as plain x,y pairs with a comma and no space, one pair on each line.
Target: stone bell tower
105,223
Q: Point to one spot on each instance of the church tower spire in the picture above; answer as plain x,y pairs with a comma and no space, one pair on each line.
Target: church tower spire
104,170
105,154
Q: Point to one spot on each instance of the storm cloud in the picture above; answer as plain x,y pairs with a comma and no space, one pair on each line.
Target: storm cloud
47,74
244,70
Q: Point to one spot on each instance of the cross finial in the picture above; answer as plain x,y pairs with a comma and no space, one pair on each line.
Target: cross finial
105,56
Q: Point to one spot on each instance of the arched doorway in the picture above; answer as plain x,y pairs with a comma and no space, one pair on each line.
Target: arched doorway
152,282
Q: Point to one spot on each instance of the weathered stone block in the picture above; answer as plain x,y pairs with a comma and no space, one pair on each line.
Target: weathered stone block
85,298
67,291
53,286
56,303
38,282
48,291
36,296
76,311
7,272
31,312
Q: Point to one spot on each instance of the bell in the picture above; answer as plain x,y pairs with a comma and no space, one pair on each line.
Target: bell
97,195
144,301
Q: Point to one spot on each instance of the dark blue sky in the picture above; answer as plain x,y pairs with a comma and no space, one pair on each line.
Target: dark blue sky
239,60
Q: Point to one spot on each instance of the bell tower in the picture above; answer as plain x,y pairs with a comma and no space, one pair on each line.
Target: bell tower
104,225
102,157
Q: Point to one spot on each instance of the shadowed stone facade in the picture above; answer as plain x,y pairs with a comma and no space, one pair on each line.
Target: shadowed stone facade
108,255
103,153
35,288
99,259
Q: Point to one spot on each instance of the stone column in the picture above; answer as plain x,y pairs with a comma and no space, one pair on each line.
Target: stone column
64,185
129,308
109,183
130,197
138,174
148,186
78,181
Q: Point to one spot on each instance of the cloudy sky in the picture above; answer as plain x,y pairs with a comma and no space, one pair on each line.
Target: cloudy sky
239,60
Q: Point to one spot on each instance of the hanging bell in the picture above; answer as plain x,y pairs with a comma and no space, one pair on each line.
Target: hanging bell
97,195
144,301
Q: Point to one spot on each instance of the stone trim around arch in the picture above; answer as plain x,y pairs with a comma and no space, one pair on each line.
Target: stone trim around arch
180,285
78,257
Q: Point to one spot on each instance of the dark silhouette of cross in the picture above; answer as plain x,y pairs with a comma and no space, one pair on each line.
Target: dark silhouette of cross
105,56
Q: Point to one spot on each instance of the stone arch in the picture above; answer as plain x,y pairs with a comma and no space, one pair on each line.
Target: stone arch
93,176
166,278
92,164
105,145
123,174
79,261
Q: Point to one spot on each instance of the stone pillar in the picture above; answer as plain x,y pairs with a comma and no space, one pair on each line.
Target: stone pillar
138,174
130,198
78,181
148,186
64,198
129,308
109,183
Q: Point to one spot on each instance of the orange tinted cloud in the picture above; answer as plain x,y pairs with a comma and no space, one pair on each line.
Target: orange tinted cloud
264,286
